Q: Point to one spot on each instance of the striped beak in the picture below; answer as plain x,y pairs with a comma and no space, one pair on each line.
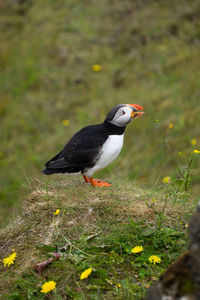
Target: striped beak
136,111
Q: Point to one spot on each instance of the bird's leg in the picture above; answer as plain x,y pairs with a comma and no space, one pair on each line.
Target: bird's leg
95,182
86,179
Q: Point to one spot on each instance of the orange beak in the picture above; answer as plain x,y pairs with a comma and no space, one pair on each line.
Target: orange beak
136,114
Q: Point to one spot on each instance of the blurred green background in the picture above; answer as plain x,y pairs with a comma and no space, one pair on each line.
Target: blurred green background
149,53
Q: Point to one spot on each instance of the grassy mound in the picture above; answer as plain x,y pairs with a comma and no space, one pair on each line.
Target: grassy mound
95,228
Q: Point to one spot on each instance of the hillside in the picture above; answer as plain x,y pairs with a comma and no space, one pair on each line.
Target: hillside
95,228
149,54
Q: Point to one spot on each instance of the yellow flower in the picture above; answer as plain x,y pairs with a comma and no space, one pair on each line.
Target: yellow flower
57,212
171,125
7,261
96,68
193,142
109,281
137,249
166,179
118,285
180,153
154,259
186,225
65,122
48,286
196,151
86,273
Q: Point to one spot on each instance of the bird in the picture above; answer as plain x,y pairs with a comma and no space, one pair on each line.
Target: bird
94,147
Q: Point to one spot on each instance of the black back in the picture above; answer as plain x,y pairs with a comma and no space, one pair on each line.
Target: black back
83,150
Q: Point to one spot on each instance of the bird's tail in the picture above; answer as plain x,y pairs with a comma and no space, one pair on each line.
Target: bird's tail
47,171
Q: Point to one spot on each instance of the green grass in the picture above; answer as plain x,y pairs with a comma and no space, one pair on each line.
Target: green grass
97,228
149,53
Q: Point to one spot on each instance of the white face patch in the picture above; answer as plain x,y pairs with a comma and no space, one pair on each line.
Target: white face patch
122,116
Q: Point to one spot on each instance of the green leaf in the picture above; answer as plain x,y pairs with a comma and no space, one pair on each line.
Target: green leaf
148,232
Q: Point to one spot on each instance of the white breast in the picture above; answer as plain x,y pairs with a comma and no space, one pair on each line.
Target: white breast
109,152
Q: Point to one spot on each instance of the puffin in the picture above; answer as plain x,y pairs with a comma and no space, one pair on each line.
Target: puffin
95,146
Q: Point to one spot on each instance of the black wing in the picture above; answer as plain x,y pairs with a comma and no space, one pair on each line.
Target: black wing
80,152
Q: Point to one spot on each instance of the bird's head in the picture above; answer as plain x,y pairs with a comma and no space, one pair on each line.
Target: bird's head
122,114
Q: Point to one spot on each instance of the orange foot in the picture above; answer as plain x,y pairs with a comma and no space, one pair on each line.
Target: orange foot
86,179
95,182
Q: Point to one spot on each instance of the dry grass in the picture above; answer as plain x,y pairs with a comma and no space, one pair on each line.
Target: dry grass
82,209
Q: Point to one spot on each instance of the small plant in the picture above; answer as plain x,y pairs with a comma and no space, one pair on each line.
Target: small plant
184,173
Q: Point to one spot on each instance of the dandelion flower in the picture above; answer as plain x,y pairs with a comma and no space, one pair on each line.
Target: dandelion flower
56,212
7,261
65,122
171,125
86,273
96,68
193,142
137,249
154,259
196,151
166,179
48,287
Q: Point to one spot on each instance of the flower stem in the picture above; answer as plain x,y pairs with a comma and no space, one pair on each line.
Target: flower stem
186,182
172,154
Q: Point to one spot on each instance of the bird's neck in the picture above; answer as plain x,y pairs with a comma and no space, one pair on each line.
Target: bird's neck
113,129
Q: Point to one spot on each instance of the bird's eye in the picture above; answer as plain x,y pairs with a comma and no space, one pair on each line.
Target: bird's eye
123,112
